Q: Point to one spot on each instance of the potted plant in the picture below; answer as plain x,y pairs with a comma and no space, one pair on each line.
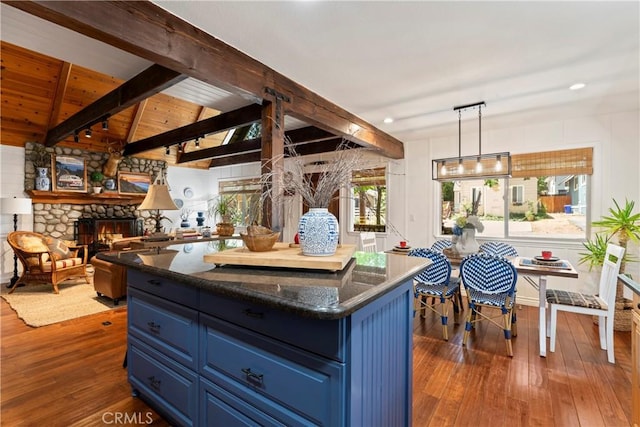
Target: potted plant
223,208
41,159
96,178
623,224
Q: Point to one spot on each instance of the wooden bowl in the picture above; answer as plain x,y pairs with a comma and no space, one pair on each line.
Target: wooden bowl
260,242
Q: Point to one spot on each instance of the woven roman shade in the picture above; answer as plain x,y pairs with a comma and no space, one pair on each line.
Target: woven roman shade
372,177
553,163
249,185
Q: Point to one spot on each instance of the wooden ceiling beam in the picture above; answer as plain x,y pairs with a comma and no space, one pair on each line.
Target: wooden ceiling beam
243,147
236,159
58,97
225,121
149,82
150,32
299,137
308,134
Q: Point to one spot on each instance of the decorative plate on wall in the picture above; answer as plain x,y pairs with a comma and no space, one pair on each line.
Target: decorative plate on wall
179,203
188,192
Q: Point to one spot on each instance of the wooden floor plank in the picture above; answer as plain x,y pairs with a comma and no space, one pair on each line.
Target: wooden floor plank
70,374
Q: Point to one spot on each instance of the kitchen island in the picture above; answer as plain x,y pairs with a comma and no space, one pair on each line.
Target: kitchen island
229,345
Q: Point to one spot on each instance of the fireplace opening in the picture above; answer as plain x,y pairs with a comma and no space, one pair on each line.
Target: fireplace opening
99,233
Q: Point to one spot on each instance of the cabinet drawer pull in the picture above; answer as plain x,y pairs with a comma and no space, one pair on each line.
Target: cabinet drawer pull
154,382
252,377
154,282
256,314
153,327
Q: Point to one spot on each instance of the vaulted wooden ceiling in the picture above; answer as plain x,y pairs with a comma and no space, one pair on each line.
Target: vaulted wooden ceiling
51,101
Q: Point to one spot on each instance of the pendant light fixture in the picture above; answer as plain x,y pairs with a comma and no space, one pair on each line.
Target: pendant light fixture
474,166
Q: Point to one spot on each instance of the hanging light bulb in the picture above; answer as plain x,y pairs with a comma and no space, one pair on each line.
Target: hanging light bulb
167,151
105,124
76,138
460,167
479,165
443,168
197,142
499,163
87,133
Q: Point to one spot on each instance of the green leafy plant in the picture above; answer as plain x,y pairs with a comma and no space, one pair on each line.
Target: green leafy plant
223,207
96,177
625,225
596,250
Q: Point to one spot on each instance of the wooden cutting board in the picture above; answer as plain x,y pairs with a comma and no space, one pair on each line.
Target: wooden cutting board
283,256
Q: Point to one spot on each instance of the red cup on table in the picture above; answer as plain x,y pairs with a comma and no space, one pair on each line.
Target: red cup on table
403,244
547,254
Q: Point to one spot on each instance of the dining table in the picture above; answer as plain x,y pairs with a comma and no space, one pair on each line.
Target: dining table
529,269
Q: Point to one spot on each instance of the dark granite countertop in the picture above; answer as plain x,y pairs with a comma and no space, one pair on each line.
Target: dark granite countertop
308,293
630,283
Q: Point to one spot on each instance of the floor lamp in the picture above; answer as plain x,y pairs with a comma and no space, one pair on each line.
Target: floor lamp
15,206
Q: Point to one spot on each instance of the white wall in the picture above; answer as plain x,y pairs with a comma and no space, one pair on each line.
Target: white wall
11,184
616,142
201,185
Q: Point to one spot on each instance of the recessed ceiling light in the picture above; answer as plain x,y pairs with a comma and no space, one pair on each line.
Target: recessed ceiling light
388,120
577,86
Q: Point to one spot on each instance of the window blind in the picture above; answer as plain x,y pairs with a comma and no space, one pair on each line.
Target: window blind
552,163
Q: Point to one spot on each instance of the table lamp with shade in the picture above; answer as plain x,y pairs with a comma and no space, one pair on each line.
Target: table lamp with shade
158,198
15,206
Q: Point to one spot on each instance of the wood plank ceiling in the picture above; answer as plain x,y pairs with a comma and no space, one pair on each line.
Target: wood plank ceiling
48,100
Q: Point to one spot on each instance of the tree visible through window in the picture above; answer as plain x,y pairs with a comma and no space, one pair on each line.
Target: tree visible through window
369,200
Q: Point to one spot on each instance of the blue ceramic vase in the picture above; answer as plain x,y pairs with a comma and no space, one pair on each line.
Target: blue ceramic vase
318,232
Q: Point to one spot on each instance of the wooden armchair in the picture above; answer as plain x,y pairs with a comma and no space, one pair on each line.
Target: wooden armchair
46,259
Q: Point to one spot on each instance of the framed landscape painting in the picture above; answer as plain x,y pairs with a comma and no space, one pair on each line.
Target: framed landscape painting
69,174
136,184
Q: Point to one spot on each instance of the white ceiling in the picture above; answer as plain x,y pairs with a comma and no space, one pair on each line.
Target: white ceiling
413,61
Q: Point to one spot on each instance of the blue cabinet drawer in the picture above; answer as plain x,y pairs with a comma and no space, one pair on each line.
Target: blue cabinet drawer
163,287
170,328
164,382
322,337
303,382
222,408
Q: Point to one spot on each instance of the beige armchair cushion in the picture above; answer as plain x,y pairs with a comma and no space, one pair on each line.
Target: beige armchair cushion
58,249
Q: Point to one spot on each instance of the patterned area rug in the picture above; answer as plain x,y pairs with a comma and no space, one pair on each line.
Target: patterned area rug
37,305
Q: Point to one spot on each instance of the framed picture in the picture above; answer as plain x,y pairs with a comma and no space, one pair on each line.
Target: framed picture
133,183
69,173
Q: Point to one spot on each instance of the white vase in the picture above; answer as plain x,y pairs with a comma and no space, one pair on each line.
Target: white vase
318,232
467,243
42,180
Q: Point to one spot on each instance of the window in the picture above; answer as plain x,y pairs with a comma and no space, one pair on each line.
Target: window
369,200
517,195
246,193
546,197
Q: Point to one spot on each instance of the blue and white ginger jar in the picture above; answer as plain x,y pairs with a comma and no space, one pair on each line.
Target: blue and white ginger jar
319,232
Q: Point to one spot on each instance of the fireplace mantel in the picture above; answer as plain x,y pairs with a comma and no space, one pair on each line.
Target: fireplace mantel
107,198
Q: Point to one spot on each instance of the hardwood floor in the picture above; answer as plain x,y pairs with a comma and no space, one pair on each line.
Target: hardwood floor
70,374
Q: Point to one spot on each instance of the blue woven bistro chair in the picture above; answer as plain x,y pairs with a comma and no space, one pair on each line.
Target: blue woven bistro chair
490,282
498,248
439,245
436,282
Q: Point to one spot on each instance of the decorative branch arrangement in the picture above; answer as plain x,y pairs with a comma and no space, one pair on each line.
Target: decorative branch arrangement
297,176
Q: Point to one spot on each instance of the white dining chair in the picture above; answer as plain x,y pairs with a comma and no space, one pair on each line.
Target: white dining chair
602,304
368,242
